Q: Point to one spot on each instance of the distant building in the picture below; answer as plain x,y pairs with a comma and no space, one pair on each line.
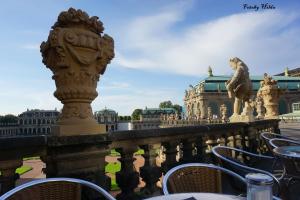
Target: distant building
37,122
151,118
211,92
292,73
294,116
9,129
8,125
108,118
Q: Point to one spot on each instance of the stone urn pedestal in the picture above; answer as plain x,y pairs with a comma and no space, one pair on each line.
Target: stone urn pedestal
77,53
245,116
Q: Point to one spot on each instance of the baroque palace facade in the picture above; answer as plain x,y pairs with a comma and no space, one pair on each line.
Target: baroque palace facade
211,92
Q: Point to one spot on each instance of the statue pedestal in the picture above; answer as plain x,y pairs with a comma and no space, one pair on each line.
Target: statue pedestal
75,128
242,118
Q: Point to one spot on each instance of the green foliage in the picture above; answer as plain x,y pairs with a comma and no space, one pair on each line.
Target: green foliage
8,119
166,104
23,170
113,167
178,108
136,114
169,104
124,118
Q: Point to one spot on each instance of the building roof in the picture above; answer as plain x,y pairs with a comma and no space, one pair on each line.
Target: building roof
158,111
106,110
290,72
216,83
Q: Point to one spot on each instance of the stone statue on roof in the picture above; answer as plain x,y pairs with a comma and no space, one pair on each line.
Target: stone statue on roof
240,87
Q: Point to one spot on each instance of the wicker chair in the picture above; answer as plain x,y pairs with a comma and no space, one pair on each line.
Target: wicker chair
200,177
280,142
53,189
243,162
266,136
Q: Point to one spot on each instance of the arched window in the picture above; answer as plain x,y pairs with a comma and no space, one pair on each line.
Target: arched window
48,130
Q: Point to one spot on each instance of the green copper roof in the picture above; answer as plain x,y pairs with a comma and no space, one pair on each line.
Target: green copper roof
159,111
216,83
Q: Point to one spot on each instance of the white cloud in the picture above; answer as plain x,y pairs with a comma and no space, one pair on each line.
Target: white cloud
31,46
266,41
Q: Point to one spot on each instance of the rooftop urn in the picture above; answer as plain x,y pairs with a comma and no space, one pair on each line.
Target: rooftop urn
77,52
270,94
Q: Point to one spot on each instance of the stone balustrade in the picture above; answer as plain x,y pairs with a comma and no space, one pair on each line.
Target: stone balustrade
83,156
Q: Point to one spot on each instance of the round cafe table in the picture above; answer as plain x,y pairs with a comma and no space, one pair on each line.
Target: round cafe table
292,152
197,196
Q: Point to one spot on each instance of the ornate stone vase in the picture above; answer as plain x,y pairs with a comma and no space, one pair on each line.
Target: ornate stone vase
77,53
270,94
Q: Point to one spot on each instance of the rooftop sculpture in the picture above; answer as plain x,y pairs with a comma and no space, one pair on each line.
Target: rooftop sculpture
77,53
239,87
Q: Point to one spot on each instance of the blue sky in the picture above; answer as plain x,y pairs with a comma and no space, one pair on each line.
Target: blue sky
161,47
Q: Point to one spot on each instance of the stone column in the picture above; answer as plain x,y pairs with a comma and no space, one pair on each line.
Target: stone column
77,53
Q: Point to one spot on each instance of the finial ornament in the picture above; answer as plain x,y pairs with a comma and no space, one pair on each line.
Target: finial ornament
210,72
286,72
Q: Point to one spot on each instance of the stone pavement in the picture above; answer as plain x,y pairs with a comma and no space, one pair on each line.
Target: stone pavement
290,129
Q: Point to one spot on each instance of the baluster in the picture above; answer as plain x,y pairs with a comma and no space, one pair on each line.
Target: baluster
231,141
251,133
187,149
8,175
171,153
211,142
238,141
128,178
221,141
150,172
200,147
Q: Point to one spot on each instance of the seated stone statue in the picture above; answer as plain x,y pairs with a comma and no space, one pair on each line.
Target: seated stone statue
239,86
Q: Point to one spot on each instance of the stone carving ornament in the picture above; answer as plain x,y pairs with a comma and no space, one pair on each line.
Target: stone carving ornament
270,94
77,53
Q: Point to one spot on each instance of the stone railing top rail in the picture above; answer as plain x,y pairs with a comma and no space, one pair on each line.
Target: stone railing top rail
118,138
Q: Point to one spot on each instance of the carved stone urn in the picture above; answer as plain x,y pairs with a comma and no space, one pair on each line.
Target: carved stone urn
77,53
270,94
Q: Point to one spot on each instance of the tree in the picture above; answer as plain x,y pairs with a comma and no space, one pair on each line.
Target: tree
8,119
169,104
136,114
166,104
178,108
